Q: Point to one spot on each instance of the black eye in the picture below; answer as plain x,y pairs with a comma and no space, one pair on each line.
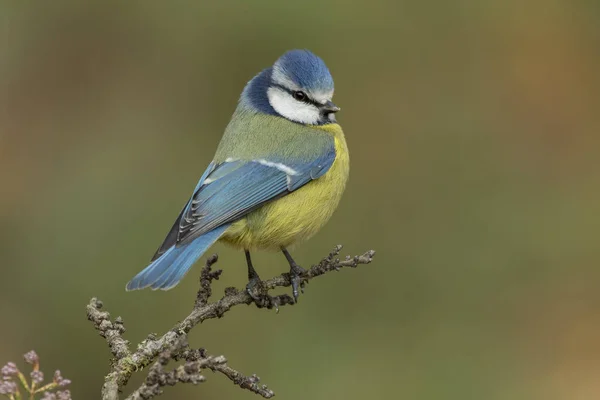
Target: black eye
299,95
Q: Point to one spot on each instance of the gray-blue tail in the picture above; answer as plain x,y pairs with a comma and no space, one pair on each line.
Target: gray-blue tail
166,271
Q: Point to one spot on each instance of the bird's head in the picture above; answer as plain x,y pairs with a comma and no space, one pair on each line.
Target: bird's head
297,87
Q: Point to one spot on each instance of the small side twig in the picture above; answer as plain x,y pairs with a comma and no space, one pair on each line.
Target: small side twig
173,346
206,278
190,372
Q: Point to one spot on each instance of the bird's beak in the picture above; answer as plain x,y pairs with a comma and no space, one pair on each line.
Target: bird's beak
329,107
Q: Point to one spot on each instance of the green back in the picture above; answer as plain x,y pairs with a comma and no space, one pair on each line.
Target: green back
252,135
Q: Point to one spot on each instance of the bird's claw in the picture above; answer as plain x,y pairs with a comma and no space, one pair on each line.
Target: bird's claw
257,291
297,281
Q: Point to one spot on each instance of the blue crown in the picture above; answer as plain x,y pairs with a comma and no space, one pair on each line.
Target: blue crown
306,70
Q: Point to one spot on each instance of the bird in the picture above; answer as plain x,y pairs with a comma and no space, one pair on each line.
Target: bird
276,178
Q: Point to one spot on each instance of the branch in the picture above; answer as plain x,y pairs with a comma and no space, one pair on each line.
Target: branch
196,361
173,344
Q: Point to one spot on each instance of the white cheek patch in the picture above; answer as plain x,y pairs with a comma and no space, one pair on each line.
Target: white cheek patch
292,109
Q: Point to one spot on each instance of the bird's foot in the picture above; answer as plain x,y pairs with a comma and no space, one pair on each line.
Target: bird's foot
297,280
257,290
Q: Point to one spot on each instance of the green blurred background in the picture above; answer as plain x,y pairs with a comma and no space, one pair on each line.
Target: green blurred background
474,135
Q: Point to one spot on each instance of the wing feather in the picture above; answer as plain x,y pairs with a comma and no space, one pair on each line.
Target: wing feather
231,189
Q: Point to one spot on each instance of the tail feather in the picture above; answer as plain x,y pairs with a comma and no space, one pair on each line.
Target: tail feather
166,271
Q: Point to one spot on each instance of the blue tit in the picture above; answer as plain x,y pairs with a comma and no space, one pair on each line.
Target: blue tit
277,176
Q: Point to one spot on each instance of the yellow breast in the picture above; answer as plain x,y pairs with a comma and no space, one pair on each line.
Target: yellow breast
300,214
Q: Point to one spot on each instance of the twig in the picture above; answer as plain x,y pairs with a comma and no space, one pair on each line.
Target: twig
196,361
173,344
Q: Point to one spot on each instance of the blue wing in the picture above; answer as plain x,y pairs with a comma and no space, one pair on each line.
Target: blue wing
235,188
226,192
171,238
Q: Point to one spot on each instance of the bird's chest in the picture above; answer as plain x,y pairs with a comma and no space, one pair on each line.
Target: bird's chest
300,214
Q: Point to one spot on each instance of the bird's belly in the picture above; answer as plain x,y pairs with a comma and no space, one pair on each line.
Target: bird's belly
287,220
294,217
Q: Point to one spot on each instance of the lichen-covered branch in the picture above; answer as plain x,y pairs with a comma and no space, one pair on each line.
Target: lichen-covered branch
190,372
173,346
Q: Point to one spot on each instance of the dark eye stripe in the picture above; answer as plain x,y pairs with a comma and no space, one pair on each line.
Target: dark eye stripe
307,99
